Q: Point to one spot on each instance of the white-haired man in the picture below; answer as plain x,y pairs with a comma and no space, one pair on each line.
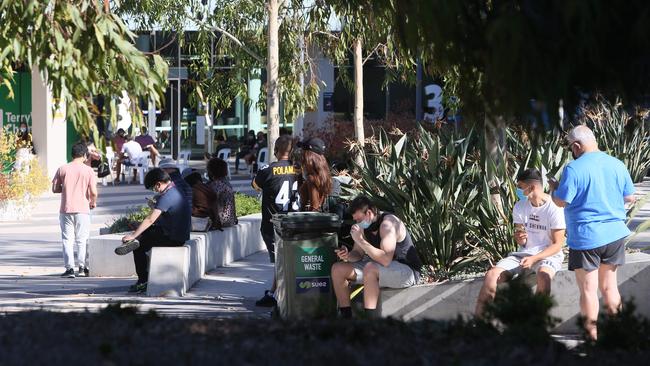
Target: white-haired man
593,191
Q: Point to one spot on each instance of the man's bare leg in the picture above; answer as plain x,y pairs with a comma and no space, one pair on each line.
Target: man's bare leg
370,286
588,286
493,277
544,278
342,274
609,288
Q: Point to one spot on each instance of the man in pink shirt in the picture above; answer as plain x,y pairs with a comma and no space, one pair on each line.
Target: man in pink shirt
78,187
148,144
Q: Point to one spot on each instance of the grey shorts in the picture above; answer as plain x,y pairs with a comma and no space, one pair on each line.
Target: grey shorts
590,259
512,263
396,275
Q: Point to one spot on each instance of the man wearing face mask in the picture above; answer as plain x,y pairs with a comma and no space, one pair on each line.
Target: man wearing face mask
383,255
539,231
168,225
593,191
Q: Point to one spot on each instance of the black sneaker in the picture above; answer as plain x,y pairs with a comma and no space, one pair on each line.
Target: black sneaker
268,301
127,247
138,287
83,271
69,273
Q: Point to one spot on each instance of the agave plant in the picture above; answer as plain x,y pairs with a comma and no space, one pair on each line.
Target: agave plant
425,180
621,134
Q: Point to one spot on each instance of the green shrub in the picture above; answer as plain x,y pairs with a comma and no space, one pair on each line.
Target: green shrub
524,315
130,220
247,205
626,330
455,198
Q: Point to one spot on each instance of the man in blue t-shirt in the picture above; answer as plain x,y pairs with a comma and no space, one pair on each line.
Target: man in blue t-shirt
168,225
593,191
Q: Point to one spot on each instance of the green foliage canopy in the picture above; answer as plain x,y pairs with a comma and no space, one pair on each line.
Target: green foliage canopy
82,50
497,55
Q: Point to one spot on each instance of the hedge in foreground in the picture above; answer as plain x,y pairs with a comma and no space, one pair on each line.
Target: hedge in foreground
511,334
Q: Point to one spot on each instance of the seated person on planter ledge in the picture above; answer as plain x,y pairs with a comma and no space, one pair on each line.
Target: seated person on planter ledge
383,255
539,231
168,225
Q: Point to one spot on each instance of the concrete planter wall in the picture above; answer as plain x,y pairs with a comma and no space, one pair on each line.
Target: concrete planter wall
206,252
448,300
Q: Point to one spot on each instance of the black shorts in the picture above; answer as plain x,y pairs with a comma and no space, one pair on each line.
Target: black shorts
590,259
269,240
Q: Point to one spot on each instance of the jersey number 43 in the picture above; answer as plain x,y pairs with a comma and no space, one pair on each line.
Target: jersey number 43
284,197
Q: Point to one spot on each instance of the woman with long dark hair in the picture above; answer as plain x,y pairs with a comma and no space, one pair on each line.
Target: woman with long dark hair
317,179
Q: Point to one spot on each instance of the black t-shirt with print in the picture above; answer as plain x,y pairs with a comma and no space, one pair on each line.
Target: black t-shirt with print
279,184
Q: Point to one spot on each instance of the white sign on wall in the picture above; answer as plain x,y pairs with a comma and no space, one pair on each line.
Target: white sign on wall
434,103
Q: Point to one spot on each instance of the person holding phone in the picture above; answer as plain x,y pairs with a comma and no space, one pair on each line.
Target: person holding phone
539,231
383,255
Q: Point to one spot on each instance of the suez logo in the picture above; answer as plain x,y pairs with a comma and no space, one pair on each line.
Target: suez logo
312,284
321,284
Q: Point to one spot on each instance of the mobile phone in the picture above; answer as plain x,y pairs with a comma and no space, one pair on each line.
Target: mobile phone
520,228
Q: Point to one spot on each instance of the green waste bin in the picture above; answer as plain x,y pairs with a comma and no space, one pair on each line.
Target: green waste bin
304,244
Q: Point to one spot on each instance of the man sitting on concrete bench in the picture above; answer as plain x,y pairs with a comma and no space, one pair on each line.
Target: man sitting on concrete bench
168,225
383,256
539,231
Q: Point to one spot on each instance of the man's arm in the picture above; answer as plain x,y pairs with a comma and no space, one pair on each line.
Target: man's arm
260,177
557,241
57,186
93,195
388,235
144,225
553,187
558,202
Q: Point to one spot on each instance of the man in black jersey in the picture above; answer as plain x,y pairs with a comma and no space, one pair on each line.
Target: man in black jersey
279,185
383,255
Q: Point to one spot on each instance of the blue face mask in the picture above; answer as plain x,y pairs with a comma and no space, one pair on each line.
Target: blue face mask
364,224
521,195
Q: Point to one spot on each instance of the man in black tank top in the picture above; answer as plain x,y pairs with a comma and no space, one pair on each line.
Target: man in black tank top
383,255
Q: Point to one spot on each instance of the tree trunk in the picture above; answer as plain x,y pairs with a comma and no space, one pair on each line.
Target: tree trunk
358,98
273,98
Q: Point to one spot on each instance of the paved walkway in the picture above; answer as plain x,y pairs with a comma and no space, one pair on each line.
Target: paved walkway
31,261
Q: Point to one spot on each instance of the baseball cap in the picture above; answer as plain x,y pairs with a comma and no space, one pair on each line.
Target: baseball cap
313,144
167,163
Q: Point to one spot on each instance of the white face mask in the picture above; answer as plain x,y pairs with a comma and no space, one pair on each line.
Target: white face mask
23,130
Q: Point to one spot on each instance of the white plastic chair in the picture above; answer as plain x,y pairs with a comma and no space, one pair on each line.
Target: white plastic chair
142,165
262,159
139,163
224,154
183,160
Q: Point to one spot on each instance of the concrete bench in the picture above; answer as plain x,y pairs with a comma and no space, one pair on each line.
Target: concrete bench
174,270
447,300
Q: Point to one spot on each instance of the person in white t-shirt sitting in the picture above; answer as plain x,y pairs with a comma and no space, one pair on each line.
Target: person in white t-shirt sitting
130,151
539,231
